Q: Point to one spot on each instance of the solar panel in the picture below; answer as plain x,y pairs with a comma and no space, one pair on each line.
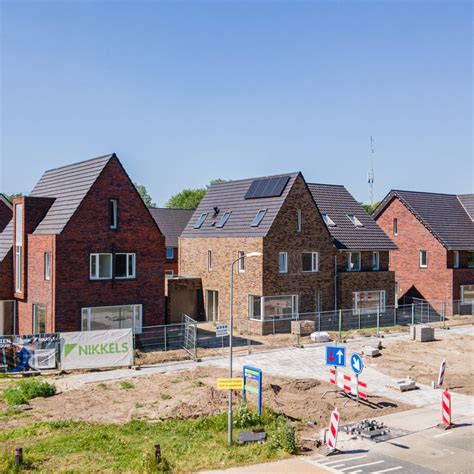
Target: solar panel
267,187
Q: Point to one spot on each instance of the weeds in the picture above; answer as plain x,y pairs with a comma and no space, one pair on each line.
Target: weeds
26,390
126,385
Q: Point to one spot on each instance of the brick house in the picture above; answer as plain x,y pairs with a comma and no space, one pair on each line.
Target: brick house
7,306
87,254
171,223
363,278
435,236
277,216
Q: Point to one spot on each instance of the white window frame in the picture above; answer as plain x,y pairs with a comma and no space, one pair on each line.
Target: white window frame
299,221
35,317
314,262
130,274
172,253
354,219
47,266
468,256
241,261
114,214
169,273
18,247
349,258
137,310
285,256
395,226
375,261
294,307
356,294
18,268
423,265
209,260
328,221
456,259
462,295
96,269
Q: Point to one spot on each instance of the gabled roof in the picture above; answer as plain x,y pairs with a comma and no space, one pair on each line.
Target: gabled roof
6,240
68,185
171,222
447,216
336,201
5,201
230,196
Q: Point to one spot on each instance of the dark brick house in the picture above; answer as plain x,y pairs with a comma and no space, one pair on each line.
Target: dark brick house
7,306
278,216
87,254
363,278
435,237
171,223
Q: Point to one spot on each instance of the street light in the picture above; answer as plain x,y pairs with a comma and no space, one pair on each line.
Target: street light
231,322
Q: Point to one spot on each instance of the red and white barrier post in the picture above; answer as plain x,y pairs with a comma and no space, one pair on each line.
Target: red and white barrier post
331,437
446,409
442,370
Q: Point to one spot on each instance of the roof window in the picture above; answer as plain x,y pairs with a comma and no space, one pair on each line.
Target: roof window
200,221
329,222
223,219
355,220
258,218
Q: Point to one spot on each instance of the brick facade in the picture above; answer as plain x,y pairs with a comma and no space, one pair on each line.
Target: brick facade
439,281
172,264
5,213
6,277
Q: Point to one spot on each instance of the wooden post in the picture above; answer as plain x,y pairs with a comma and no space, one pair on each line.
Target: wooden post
18,456
157,453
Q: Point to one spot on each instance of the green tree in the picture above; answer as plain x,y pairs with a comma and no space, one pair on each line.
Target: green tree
190,198
144,195
370,208
10,197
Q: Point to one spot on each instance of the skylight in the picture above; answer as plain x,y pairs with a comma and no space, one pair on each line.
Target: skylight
355,221
259,217
200,221
329,222
223,220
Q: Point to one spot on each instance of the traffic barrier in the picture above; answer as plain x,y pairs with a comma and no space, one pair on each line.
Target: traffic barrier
363,393
348,383
442,369
446,408
332,376
331,438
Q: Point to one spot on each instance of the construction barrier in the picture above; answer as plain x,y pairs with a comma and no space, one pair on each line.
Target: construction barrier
446,408
348,383
331,438
442,369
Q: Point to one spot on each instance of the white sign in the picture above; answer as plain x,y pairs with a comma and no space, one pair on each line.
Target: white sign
222,330
96,349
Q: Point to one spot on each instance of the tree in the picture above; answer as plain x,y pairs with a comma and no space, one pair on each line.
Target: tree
144,195
370,208
10,197
190,198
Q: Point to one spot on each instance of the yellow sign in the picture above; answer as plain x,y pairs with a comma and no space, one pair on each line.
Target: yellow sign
230,384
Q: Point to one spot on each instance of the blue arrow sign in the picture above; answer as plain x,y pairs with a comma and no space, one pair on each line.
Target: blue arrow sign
336,356
357,363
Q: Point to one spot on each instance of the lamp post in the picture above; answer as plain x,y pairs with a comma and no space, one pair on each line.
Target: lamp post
231,322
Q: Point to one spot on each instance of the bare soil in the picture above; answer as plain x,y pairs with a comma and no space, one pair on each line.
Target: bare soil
421,360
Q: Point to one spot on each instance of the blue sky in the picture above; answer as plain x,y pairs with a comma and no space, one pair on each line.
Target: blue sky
187,91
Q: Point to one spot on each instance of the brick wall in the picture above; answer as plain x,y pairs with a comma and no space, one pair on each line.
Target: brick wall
365,261
6,214
6,277
432,283
172,263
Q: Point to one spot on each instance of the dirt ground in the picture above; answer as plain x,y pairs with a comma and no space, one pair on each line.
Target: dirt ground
421,361
191,393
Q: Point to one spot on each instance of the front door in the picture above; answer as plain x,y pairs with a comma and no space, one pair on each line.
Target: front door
212,305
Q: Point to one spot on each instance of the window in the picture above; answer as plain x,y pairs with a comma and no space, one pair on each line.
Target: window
112,317
423,259
368,302
355,220
223,220
241,256
113,213
169,253
18,246
375,261
353,261
101,266
273,307
395,226
298,220
467,293
200,221
283,262
258,218
456,259
47,266
470,259
310,261
169,274
329,222
124,265
39,319
212,305
209,260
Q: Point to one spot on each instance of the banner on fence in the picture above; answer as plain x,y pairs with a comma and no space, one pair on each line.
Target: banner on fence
96,349
28,353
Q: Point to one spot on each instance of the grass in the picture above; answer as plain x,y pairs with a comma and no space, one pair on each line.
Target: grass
186,445
26,390
127,385
165,396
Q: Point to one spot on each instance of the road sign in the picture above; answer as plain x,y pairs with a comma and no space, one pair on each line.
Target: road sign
336,355
249,374
357,363
230,384
222,330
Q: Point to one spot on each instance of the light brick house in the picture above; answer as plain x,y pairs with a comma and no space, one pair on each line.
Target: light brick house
87,253
435,237
278,217
171,223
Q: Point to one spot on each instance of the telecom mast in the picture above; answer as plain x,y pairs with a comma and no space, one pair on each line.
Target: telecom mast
370,174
